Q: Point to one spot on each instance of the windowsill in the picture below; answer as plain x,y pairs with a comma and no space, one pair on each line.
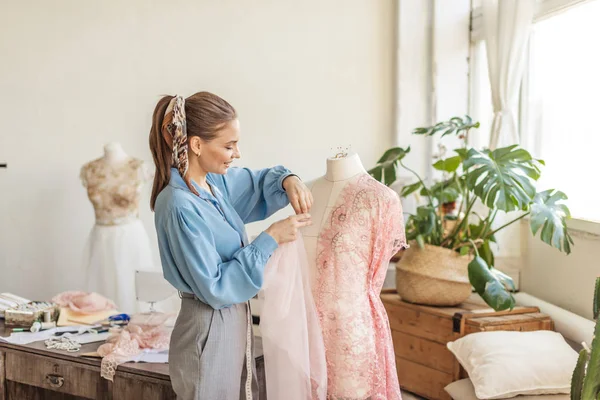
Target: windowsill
584,226
579,227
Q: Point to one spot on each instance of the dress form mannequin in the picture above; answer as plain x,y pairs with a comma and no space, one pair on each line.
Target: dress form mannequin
118,243
114,153
325,191
357,227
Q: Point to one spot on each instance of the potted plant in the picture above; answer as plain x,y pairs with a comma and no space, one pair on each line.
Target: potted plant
585,383
454,229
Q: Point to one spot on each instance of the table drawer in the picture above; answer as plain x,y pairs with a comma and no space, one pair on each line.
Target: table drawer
57,375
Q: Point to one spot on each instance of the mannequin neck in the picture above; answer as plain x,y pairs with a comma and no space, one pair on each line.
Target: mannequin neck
340,169
114,153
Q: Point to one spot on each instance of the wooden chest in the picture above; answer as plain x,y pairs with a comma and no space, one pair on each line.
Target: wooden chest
420,333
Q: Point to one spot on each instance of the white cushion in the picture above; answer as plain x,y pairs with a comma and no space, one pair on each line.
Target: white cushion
505,364
464,390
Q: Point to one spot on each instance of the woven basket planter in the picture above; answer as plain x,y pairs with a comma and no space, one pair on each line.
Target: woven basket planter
433,276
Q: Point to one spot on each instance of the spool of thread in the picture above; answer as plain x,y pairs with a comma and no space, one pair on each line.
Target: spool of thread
42,326
47,316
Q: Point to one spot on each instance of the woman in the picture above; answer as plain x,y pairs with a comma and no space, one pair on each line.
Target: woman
201,206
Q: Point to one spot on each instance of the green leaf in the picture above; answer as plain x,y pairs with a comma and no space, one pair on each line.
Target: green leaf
549,214
391,156
579,375
426,224
506,280
591,384
385,170
376,173
502,178
389,174
449,164
420,241
486,253
407,190
464,250
453,125
445,192
462,153
489,286
597,298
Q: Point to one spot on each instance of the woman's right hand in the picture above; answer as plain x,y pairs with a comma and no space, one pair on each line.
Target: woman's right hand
286,230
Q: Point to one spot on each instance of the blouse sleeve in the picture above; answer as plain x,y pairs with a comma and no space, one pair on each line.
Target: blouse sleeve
256,194
219,282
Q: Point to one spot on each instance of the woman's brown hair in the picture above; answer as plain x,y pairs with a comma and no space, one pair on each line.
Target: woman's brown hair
206,113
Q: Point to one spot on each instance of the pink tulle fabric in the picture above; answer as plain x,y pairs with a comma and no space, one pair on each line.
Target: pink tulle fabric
83,302
125,344
363,231
295,366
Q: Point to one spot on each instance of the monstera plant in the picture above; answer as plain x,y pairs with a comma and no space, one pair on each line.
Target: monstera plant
460,209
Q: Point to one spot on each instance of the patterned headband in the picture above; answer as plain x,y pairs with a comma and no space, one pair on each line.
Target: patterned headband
175,133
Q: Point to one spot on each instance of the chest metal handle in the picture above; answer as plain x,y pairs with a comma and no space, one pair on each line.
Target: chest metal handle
55,381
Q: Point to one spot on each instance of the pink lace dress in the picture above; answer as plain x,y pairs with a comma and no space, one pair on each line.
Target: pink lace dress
363,231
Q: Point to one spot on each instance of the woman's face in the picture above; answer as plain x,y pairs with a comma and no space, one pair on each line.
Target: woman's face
217,155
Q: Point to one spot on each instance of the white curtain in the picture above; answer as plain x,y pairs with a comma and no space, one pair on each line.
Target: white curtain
506,25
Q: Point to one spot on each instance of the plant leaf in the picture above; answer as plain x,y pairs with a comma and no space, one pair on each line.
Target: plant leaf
462,153
420,241
591,383
407,190
376,173
392,155
389,174
501,178
486,252
449,164
549,214
445,191
579,375
453,125
597,298
488,286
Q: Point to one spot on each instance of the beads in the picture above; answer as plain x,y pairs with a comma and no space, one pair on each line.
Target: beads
63,343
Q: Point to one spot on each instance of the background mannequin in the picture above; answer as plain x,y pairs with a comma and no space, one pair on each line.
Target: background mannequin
118,243
357,227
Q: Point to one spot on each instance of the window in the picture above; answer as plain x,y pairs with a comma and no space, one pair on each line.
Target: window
560,104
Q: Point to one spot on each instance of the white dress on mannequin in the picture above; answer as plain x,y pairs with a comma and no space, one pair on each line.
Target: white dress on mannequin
118,244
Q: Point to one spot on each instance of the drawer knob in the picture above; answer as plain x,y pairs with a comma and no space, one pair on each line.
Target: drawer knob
55,381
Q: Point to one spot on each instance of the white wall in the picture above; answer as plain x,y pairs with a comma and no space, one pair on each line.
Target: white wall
305,77
564,280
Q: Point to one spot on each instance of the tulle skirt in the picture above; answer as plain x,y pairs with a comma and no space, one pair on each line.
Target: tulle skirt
295,366
112,255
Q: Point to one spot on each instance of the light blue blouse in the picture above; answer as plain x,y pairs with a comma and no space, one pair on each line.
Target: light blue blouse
202,240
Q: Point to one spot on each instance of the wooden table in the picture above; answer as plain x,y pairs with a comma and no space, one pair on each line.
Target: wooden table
33,372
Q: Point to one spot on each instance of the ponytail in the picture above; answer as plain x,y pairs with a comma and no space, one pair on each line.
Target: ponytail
161,152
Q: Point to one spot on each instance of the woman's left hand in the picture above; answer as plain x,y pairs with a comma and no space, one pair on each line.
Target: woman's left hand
299,195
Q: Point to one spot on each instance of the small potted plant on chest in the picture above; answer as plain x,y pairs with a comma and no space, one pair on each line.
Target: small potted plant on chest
453,230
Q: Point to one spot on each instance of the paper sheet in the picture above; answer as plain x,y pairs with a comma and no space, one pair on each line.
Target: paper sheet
153,356
30,337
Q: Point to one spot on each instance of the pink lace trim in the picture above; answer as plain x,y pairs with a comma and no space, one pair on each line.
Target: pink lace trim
361,234
125,344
